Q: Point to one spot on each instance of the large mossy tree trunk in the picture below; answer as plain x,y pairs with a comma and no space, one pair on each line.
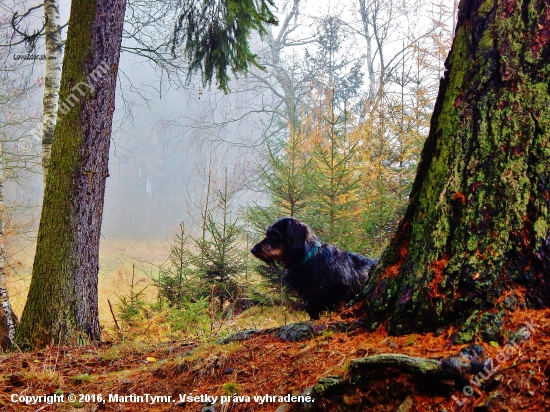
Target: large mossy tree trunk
475,239
62,301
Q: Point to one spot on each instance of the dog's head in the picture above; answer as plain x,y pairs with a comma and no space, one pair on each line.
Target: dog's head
287,241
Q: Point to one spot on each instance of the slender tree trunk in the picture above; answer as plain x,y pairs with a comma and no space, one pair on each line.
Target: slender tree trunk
368,37
52,79
62,301
8,319
475,240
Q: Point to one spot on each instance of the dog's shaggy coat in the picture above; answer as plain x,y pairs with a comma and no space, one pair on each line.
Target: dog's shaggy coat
323,275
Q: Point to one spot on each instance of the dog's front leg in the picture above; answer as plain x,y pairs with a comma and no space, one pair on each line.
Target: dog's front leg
313,310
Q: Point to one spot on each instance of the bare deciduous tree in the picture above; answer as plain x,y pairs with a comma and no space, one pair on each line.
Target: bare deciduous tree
52,79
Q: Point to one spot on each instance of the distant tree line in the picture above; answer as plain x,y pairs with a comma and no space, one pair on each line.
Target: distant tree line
343,162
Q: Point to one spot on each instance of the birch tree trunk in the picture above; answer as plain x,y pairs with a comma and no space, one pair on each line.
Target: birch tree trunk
62,301
52,79
475,239
8,319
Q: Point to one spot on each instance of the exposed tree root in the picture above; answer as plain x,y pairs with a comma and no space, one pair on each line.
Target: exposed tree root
456,368
438,376
294,332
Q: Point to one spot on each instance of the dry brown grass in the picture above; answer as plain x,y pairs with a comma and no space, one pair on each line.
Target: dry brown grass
264,317
19,260
116,258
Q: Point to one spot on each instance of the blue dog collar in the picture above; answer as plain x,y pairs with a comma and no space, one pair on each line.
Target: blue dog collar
313,250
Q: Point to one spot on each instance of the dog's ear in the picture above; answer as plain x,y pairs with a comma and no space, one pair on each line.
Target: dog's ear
297,235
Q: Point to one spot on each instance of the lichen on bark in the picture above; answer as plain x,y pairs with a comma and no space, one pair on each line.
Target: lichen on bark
62,302
476,229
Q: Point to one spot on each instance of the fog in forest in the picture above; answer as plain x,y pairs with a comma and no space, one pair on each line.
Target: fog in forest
175,142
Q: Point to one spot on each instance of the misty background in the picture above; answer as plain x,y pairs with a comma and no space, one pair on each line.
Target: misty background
176,143
165,130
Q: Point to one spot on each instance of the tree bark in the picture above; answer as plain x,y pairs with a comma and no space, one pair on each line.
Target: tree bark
475,240
62,301
368,38
52,79
8,319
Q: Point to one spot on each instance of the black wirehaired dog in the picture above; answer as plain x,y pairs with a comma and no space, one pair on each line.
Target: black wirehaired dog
323,275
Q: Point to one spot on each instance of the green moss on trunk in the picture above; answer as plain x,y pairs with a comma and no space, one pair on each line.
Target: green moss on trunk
62,301
476,230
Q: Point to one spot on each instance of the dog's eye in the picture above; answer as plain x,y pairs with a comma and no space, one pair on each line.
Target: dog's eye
272,234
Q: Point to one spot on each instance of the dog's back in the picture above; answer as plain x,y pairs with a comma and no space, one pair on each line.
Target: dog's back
331,277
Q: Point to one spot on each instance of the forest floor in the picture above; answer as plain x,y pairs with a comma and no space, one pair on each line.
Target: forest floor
150,368
183,375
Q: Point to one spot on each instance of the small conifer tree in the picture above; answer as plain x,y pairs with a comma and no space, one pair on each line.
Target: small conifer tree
176,282
335,180
221,259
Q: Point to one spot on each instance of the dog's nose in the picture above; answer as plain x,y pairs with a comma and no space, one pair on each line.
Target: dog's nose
254,250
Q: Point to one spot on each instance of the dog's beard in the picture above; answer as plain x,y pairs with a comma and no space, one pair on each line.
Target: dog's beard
274,261
266,258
